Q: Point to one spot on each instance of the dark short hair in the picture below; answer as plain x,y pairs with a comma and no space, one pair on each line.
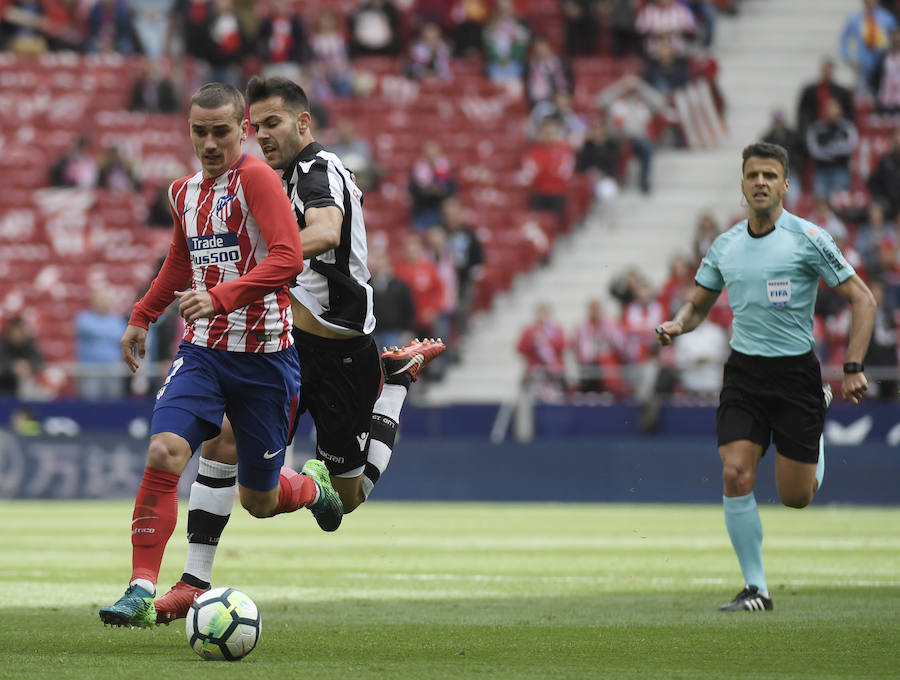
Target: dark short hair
293,96
214,95
766,150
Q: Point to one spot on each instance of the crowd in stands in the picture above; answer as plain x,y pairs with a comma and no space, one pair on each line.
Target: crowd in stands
21,360
587,90
585,86
844,156
613,353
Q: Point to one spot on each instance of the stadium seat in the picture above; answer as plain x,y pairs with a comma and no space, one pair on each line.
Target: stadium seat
380,65
480,128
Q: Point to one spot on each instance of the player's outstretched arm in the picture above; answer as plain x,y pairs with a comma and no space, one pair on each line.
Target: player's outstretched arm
689,316
862,309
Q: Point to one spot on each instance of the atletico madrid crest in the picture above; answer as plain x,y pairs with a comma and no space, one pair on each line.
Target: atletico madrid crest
223,207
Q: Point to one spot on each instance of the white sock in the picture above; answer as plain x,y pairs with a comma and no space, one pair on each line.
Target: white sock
820,465
385,418
199,561
149,586
390,401
209,507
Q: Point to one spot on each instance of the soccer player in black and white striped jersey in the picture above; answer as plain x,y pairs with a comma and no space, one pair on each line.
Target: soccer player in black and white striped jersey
355,408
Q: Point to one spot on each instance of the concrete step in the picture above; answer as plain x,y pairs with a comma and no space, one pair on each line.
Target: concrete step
766,54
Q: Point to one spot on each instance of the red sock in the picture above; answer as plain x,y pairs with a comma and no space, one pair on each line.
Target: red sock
155,514
297,491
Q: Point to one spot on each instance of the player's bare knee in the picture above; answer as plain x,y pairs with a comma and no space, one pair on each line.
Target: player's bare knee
258,512
796,502
220,450
257,508
737,478
350,489
796,498
161,455
352,501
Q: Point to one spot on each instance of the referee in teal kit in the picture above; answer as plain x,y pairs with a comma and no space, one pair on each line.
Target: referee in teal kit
772,390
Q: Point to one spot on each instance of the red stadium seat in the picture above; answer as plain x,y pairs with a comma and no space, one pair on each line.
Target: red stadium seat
480,127
381,65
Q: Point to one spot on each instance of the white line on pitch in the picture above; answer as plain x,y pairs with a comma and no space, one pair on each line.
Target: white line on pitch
497,578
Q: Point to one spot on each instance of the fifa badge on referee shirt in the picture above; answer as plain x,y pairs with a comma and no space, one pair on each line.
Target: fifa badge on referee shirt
779,291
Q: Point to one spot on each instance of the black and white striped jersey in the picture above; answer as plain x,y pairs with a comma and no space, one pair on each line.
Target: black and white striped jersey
333,286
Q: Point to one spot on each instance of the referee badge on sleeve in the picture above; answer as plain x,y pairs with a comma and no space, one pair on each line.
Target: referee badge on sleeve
779,291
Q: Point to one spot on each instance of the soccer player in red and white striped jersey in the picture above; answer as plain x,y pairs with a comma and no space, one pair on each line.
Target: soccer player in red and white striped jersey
228,223
235,250
355,416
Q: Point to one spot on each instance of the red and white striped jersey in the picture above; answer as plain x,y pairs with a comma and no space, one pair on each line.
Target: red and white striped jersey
236,237
671,23
888,74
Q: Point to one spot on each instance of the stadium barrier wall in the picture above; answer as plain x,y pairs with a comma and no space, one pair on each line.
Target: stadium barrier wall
579,454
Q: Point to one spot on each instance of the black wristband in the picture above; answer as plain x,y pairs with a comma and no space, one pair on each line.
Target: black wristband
853,367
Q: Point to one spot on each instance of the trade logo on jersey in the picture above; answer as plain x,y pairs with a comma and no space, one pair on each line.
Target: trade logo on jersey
223,206
214,249
779,291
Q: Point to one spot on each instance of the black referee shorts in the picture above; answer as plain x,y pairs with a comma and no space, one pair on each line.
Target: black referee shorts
340,380
776,399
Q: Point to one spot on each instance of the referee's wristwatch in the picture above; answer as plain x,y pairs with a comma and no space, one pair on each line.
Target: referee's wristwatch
853,367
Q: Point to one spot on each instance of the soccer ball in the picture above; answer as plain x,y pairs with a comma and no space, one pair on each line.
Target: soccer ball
223,623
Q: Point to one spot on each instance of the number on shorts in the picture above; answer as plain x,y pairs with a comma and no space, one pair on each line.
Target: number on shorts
172,371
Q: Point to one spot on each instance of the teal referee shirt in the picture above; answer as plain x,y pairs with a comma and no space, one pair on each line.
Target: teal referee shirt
772,282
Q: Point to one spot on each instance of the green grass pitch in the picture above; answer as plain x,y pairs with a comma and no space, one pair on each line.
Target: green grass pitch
428,590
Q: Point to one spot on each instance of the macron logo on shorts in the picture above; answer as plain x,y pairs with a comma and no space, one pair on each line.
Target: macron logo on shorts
328,456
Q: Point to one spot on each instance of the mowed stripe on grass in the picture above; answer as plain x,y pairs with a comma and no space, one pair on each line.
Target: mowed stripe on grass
486,590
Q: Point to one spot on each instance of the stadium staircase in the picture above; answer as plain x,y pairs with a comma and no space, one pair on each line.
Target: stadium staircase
765,54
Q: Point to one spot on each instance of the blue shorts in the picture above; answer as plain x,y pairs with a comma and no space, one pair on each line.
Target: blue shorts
258,392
